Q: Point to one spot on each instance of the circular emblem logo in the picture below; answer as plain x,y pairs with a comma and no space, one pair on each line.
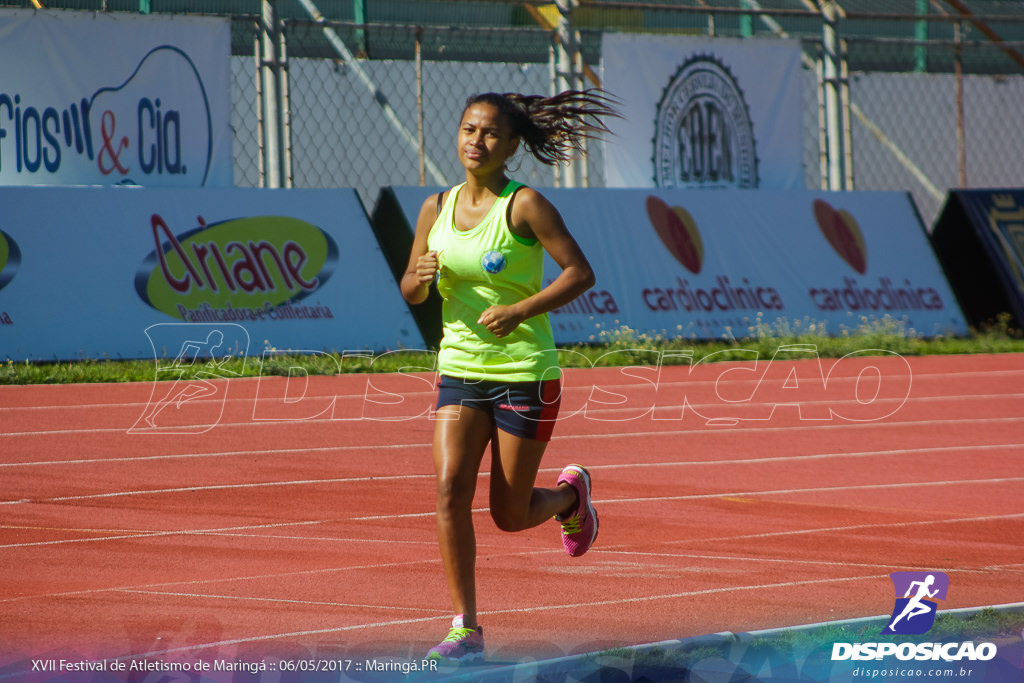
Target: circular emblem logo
493,262
703,136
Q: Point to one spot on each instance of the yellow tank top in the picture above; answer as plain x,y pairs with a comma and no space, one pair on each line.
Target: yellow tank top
484,266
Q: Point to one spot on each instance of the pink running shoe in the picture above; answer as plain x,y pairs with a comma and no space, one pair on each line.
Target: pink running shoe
461,645
579,529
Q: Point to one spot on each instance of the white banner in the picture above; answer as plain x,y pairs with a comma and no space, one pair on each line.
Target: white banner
106,99
116,272
708,265
704,112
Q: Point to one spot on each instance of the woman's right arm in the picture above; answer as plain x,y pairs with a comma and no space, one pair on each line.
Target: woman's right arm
422,266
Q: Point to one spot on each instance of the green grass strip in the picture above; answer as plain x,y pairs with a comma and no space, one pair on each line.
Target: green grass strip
613,348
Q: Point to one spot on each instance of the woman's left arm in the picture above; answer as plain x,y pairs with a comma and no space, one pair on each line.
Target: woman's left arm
535,217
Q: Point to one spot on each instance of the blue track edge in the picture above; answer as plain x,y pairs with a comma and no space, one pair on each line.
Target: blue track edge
748,656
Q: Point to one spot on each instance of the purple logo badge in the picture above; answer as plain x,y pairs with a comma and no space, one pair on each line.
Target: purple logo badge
916,606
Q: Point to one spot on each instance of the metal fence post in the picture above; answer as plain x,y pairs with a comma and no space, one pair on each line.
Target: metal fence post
580,84
275,157
830,55
921,35
847,118
746,20
958,75
359,13
566,71
819,72
419,106
553,81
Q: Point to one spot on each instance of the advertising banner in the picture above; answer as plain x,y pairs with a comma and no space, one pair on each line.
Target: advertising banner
125,272
727,263
704,112
106,99
979,238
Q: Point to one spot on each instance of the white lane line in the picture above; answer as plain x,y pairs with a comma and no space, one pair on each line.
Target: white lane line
522,610
744,494
843,529
246,598
582,412
502,552
157,534
719,428
638,382
402,477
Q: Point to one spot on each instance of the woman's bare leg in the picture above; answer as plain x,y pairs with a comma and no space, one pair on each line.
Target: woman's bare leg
460,439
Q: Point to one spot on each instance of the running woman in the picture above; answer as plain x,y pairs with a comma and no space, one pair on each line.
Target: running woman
484,241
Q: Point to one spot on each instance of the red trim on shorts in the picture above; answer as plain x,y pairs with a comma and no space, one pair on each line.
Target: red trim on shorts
552,398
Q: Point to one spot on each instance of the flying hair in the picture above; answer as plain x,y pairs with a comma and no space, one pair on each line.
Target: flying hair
553,128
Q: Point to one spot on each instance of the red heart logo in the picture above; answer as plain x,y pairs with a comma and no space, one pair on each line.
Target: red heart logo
678,232
842,232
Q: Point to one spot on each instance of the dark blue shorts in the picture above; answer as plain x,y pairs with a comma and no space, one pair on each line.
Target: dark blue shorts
524,409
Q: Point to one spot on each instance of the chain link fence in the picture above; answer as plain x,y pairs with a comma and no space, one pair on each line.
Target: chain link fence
927,133
340,134
341,138
931,90
930,104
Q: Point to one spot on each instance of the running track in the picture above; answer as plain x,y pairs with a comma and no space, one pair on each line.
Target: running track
273,519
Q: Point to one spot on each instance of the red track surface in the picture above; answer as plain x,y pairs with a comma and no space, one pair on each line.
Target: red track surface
268,519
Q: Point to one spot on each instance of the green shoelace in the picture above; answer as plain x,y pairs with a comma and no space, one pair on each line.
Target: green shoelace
572,525
457,634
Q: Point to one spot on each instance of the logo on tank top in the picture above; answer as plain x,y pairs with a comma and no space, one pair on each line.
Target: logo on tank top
493,262
703,135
